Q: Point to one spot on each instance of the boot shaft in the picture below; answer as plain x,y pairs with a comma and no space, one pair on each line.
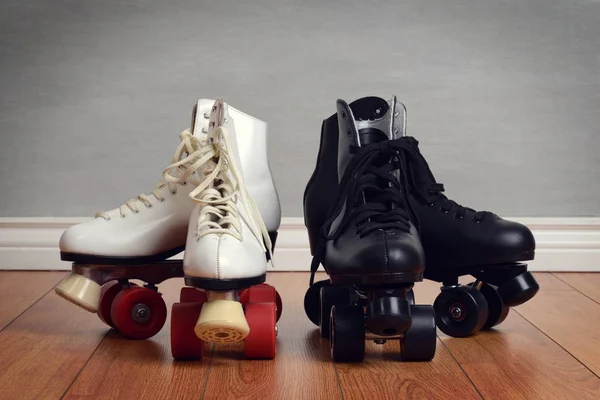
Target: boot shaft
365,121
251,147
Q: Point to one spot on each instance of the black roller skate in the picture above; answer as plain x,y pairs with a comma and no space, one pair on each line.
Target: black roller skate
461,241
360,229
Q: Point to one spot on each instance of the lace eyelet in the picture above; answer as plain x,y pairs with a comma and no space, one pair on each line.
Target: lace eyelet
477,221
204,130
459,216
431,205
206,115
136,212
150,206
162,200
173,192
184,183
444,211
122,216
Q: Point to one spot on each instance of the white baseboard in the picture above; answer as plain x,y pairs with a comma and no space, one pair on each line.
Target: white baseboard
563,244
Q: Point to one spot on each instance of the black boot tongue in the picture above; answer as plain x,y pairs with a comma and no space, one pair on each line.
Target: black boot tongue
369,114
369,108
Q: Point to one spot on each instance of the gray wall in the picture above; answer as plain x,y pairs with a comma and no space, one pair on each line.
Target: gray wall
503,95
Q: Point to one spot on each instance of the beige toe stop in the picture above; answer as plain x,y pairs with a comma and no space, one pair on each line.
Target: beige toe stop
222,321
81,291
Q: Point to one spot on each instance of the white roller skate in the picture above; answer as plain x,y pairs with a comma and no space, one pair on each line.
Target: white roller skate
227,251
134,240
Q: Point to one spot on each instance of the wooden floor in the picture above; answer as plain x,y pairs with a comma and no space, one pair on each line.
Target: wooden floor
548,348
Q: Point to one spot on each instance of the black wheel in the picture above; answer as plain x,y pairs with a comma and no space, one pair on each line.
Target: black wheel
311,301
347,340
410,297
519,289
331,296
419,341
497,310
460,311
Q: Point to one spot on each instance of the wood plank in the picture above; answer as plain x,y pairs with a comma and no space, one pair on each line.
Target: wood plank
130,369
381,376
45,348
516,360
20,289
587,283
548,282
572,320
302,368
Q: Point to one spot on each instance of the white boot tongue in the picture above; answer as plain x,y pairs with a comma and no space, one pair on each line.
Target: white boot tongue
199,121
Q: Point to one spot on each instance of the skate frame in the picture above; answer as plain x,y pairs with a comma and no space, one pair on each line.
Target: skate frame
152,273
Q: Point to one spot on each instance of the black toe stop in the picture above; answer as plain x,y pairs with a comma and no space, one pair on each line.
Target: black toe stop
519,289
388,316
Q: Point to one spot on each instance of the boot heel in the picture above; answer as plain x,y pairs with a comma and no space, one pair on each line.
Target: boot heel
222,321
80,291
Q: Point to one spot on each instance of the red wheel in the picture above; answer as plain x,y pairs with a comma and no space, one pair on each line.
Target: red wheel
262,293
185,345
261,341
107,295
192,295
244,297
139,313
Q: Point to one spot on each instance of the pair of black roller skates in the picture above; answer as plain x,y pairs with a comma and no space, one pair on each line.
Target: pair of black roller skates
378,222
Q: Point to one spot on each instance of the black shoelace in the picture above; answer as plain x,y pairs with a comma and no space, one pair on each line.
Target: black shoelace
425,187
372,194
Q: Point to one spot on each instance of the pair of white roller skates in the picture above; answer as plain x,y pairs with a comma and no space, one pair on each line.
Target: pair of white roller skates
217,200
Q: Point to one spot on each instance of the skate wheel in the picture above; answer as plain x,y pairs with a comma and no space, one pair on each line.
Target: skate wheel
138,313
460,311
185,345
410,297
192,295
419,341
264,293
347,339
245,296
107,295
222,321
497,310
311,301
331,296
519,289
261,341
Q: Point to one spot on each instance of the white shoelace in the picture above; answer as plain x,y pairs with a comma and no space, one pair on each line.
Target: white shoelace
186,160
218,192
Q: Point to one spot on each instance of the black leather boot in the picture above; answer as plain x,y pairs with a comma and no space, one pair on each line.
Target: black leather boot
361,230
461,241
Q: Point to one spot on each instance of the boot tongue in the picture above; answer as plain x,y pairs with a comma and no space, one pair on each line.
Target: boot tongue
377,120
199,121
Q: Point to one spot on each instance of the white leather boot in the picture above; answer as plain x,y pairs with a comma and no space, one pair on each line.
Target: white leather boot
228,243
153,227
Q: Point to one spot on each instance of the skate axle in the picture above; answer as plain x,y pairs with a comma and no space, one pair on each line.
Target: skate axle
381,339
232,295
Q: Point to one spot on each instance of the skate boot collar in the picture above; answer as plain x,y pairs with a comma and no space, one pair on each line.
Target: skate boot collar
372,119
365,121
